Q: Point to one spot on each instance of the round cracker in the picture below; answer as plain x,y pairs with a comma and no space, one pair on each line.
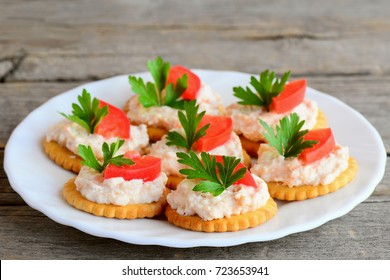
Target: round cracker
283,192
234,223
131,211
251,147
62,156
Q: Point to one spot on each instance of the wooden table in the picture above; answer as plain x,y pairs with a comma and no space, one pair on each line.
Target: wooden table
48,47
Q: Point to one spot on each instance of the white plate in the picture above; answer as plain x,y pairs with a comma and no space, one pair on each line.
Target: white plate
39,181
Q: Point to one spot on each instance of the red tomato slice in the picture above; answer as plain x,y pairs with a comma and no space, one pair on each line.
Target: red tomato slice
292,95
247,180
193,84
115,124
325,145
146,168
217,134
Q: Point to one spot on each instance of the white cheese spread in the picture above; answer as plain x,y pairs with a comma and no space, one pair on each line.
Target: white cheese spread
71,135
166,117
237,199
118,191
273,167
168,156
246,118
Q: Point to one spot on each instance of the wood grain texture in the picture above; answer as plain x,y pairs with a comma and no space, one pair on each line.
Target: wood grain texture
29,235
341,47
71,41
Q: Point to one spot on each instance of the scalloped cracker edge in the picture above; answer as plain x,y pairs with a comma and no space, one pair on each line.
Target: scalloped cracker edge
62,156
131,211
251,147
283,192
234,223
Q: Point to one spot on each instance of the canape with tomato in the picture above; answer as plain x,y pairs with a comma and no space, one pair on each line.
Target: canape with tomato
292,99
63,138
130,191
159,113
318,170
219,139
201,205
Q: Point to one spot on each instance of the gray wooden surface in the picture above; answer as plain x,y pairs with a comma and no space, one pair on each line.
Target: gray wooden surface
48,47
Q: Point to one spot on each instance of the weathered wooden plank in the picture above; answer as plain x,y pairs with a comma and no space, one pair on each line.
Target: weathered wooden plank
19,99
365,229
368,95
268,17
8,196
68,41
351,56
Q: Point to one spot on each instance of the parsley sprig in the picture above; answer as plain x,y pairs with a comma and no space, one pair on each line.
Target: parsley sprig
287,138
266,87
158,93
215,176
108,156
190,121
87,114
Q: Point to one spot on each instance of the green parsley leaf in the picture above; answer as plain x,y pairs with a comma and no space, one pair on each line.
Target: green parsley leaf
109,151
266,88
173,94
147,93
87,114
159,70
287,138
190,122
206,186
158,93
215,176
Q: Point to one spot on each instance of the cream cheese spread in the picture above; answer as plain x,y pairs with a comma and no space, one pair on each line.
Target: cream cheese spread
237,199
168,156
246,118
118,191
273,167
71,135
166,117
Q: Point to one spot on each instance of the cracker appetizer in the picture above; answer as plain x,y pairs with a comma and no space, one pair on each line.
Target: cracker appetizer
91,123
270,101
156,104
300,164
126,186
200,133
218,195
